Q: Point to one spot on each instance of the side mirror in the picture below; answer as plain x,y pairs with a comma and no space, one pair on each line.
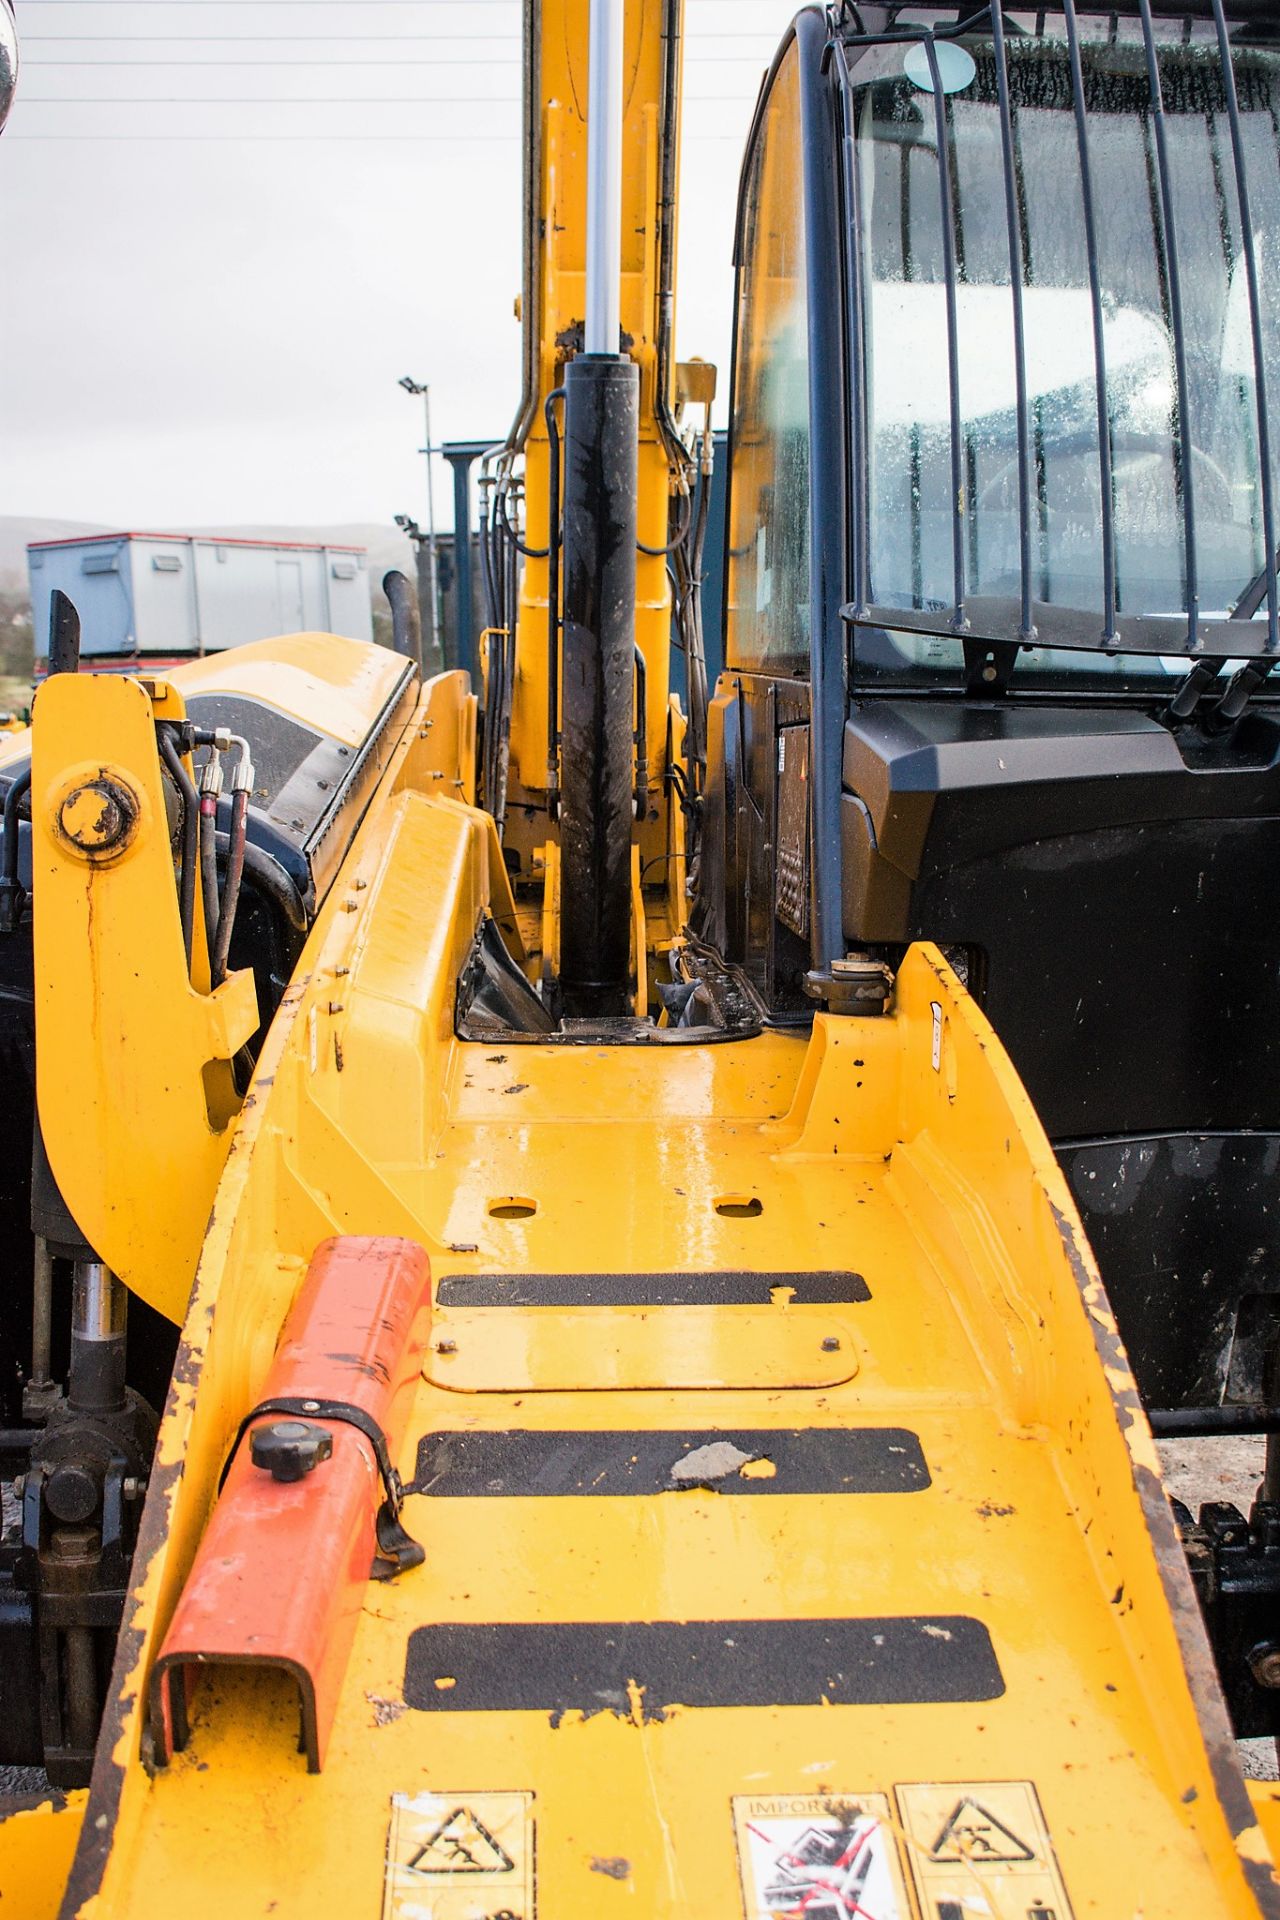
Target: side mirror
8,58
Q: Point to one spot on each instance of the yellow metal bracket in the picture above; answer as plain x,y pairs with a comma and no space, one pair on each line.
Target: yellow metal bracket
134,1092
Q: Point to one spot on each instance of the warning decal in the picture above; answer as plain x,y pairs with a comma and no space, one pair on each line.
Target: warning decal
828,1857
981,1847
460,1856
461,1844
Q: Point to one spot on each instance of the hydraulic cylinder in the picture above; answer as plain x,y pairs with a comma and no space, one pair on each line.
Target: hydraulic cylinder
601,420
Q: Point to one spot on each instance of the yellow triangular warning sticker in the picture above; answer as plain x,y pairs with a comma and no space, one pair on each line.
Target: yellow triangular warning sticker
458,1854
461,1844
974,1835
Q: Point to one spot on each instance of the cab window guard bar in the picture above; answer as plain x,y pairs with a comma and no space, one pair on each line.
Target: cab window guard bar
985,620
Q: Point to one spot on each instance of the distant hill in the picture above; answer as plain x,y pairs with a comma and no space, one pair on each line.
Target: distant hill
387,545
16,531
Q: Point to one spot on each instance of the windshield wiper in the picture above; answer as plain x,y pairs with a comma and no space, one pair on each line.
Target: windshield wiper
1253,596
1244,682
1191,690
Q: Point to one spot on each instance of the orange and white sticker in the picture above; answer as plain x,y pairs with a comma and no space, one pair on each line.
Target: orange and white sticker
460,1856
829,1857
981,1847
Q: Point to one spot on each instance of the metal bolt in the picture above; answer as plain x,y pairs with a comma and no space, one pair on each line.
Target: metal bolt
75,1543
340,972
446,1346
360,885
830,1345
349,906
98,816
335,1006
133,1488
1264,1663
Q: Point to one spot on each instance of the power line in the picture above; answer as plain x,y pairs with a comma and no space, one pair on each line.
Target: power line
321,100
246,39
313,139
251,66
227,39
284,100
221,5
280,100
301,139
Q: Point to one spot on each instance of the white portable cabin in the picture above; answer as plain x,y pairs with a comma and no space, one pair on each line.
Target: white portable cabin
171,596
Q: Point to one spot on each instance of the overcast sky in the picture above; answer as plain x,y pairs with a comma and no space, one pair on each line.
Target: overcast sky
220,248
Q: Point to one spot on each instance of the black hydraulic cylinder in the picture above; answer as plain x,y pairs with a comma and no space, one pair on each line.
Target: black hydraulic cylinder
601,423
64,634
406,617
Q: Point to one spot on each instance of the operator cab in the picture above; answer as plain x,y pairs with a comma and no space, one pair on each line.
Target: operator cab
1001,606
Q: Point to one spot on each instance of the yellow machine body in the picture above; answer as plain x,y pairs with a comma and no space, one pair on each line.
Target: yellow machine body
1023,1719
900,1148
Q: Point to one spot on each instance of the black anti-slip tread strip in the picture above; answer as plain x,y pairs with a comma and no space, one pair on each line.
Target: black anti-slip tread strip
729,1288
589,1667
524,1464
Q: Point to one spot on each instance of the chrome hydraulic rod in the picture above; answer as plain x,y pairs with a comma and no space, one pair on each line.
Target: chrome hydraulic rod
604,178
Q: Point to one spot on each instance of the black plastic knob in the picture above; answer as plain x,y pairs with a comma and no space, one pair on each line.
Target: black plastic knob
289,1449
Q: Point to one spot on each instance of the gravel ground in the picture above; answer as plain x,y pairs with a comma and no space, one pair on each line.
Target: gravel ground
17,1782
1196,1471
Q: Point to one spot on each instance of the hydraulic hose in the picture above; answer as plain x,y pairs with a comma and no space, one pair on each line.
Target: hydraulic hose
671,39
553,601
642,734
270,878
210,789
495,663
190,837
678,538
696,653
488,597
531,224
500,515
13,896
504,731
502,760
231,887
209,870
241,789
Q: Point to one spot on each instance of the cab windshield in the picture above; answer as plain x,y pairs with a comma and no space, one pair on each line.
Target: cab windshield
1112,497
